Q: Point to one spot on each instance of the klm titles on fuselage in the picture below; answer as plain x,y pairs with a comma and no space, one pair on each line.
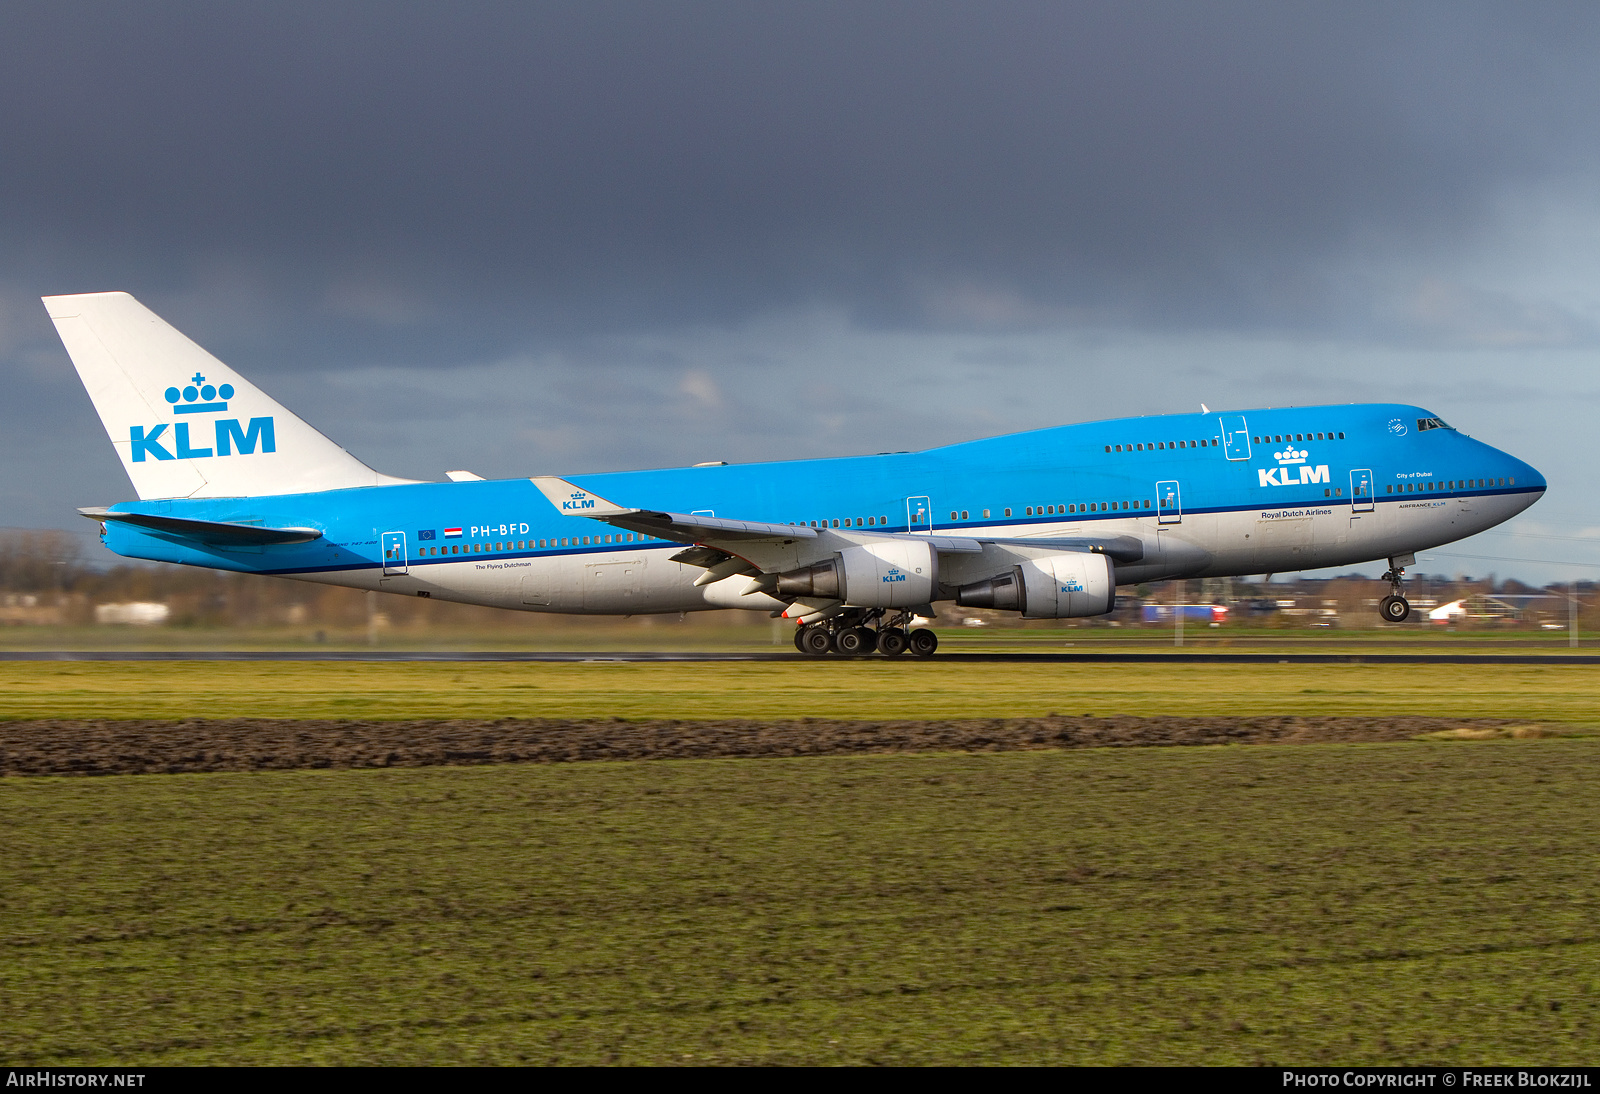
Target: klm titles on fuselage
1289,460
228,435
1280,476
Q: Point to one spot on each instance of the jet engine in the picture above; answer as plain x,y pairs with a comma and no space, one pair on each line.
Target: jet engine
1064,586
889,573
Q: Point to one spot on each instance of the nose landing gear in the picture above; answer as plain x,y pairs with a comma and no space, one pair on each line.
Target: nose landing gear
1395,608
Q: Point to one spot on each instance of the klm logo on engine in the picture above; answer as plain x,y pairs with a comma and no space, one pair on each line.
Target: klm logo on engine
893,575
1292,470
578,501
228,436
1072,587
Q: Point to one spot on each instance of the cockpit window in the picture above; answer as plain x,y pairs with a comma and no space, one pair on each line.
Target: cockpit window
1432,423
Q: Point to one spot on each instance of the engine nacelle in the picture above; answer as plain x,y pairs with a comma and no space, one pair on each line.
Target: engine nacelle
1065,586
890,573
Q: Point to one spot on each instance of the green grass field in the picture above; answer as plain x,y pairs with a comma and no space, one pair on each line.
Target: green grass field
742,631
1428,902
1413,903
832,689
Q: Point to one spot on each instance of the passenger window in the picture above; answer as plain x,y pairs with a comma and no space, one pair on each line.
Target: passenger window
1028,511
882,521
872,521
986,514
963,514
1119,448
1008,512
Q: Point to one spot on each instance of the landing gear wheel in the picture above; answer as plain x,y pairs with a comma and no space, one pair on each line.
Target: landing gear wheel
1394,609
800,639
816,641
854,641
923,642
892,641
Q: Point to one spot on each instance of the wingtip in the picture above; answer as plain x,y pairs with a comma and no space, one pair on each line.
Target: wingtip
575,501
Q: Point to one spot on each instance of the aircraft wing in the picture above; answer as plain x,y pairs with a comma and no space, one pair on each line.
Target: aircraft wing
717,532
208,531
574,501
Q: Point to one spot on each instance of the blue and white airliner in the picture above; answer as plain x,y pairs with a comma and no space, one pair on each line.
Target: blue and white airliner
1046,523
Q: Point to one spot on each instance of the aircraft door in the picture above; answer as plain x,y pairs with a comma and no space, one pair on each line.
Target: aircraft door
394,553
919,515
1235,437
1361,499
1169,503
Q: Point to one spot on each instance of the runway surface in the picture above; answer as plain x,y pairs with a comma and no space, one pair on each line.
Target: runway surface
657,657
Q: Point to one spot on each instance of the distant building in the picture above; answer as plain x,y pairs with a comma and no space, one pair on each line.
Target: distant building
139,613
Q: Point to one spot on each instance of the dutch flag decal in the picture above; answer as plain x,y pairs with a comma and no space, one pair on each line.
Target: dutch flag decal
452,533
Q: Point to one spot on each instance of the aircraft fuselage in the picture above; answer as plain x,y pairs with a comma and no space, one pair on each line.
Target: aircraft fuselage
1195,495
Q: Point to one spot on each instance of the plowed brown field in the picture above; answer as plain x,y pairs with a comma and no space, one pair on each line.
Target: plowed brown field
121,747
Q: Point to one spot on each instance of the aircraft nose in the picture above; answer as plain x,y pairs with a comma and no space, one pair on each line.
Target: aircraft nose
1529,474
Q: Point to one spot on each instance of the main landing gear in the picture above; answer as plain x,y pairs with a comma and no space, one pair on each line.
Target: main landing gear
1394,608
860,632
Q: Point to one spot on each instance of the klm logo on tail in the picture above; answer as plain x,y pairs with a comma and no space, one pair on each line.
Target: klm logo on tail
229,436
577,502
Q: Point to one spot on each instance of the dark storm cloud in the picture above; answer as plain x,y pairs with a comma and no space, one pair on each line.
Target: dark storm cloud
600,165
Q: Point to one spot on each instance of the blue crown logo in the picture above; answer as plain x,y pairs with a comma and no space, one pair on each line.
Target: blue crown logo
199,397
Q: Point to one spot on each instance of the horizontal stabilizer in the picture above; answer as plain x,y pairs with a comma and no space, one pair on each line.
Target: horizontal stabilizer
209,531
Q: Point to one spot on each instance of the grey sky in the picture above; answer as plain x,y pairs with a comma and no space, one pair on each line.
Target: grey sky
565,237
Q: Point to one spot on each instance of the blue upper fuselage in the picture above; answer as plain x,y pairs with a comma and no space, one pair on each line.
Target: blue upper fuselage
1097,471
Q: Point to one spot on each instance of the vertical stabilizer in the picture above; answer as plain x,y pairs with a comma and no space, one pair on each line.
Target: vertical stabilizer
185,424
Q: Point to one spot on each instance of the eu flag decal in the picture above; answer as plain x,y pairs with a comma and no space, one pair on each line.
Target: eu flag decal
426,533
